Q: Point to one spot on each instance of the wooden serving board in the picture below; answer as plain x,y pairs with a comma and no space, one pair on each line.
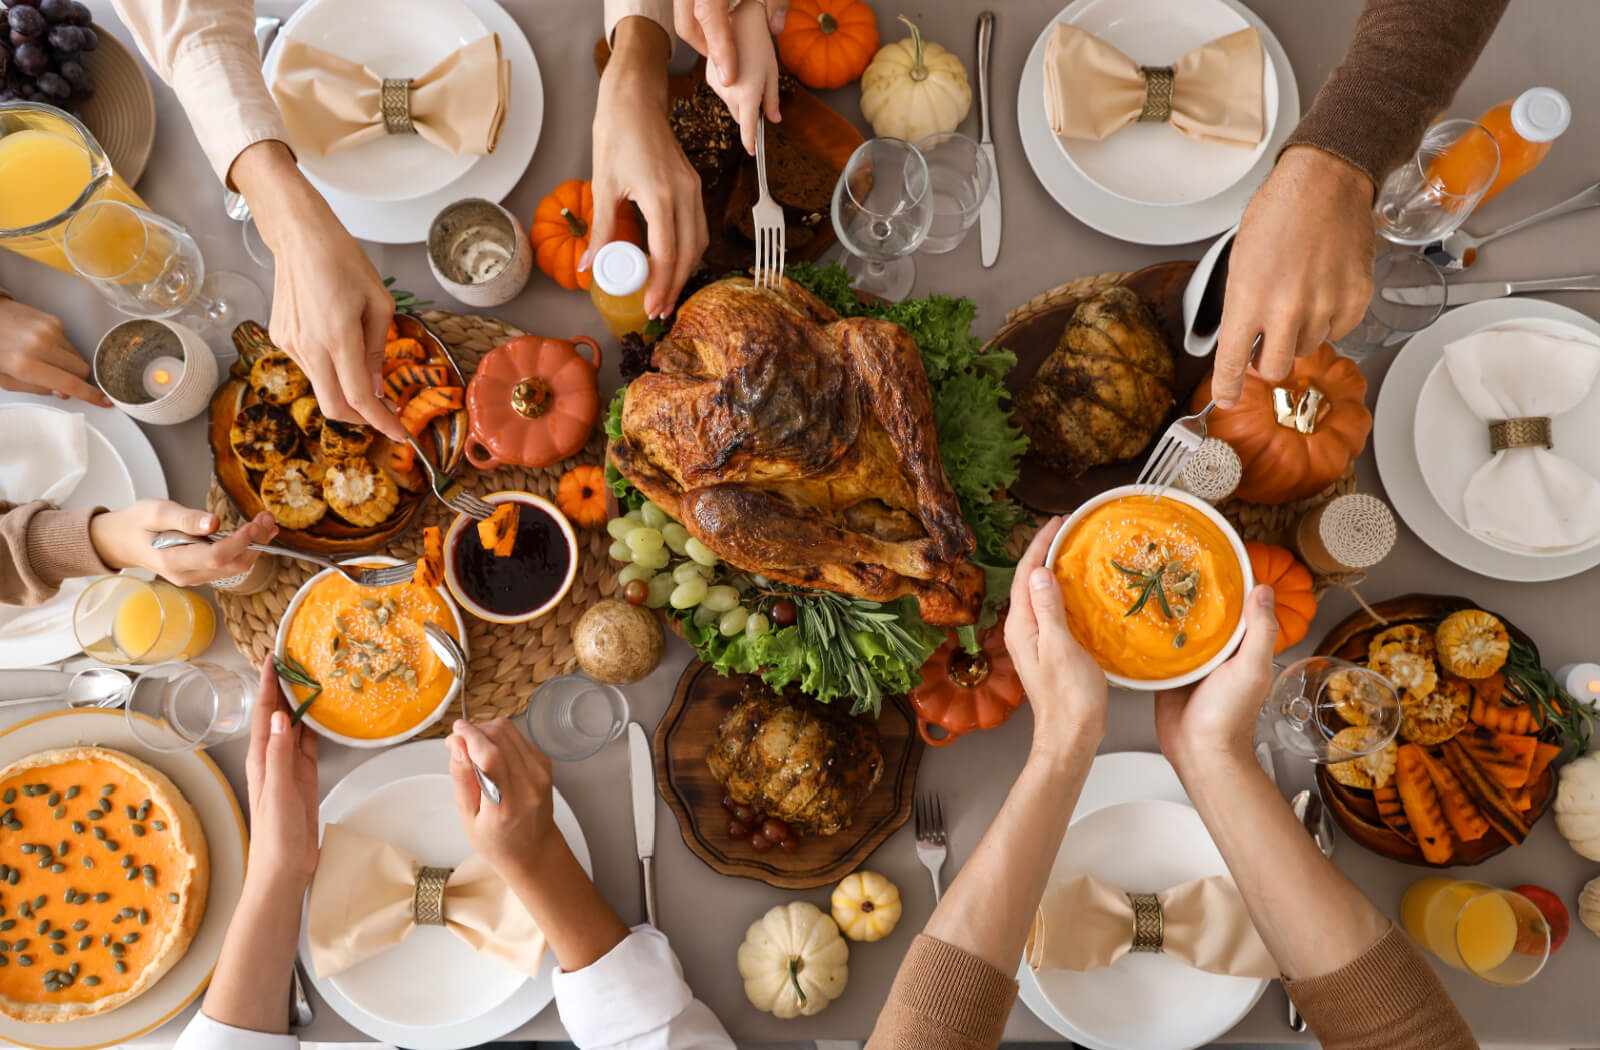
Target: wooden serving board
1033,331
686,734
332,536
1355,810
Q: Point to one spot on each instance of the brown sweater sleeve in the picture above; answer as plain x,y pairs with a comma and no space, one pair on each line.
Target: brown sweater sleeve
944,999
1388,999
40,547
1401,70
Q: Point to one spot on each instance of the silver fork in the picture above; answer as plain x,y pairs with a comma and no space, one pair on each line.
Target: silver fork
1165,463
930,837
384,576
449,491
770,235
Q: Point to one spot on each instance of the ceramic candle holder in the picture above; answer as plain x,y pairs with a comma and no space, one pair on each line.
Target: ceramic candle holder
479,252
156,371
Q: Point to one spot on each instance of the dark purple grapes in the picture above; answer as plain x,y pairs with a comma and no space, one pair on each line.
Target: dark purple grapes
88,39
8,95
28,21
18,39
66,39
54,85
81,15
78,76
57,11
22,3
32,60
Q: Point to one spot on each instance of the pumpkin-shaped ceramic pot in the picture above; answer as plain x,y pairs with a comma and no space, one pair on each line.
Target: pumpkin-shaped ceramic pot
962,691
533,402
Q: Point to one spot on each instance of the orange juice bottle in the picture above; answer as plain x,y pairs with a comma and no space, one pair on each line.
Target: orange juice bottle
616,286
1524,128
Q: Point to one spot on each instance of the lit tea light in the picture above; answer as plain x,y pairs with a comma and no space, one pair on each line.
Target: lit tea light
161,375
1582,681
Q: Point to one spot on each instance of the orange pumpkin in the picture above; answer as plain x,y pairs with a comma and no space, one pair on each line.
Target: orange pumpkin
1293,600
828,43
532,402
581,495
963,691
560,231
1295,437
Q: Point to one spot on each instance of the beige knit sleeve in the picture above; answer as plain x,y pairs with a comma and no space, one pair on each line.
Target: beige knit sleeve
944,999
40,547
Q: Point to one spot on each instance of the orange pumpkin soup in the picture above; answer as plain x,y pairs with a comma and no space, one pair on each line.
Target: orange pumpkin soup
365,646
1152,589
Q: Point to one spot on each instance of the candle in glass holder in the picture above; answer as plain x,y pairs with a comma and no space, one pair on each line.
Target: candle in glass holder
1582,681
157,371
161,374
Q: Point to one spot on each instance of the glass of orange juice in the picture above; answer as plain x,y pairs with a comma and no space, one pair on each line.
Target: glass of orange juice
126,620
1426,199
1496,935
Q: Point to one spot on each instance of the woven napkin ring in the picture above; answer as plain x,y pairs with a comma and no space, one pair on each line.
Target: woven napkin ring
427,898
394,99
1527,432
1157,94
1147,935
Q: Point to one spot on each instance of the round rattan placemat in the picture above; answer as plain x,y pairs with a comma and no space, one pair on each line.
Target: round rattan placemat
506,662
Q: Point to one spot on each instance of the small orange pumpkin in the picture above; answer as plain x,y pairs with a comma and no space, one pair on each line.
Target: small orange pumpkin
828,43
532,402
963,691
1296,437
581,495
1293,599
560,231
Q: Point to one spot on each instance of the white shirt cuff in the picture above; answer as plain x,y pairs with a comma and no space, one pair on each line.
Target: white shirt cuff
205,1034
635,988
658,11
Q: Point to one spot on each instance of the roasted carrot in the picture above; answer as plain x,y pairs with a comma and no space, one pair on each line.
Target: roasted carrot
429,405
1421,804
1499,809
1391,812
1543,755
1501,717
430,567
406,381
1504,757
397,352
498,532
1465,818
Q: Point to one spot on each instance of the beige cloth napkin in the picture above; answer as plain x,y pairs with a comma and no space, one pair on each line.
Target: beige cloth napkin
361,905
1091,89
1531,498
331,103
44,454
1084,924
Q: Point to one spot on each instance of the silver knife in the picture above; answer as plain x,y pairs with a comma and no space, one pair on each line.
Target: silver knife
642,781
989,210
1477,291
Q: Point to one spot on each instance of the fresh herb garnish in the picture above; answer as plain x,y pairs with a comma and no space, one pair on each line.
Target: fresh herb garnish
294,672
404,302
1553,707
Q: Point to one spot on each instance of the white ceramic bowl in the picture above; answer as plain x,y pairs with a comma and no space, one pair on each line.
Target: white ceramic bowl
433,716
1188,678
458,530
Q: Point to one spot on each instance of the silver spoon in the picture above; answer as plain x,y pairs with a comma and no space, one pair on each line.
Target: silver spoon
91,687
1460,249
449,651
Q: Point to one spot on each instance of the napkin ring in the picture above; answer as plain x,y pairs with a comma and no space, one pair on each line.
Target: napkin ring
1526,432
1157,94
1147,922
394,100
427,898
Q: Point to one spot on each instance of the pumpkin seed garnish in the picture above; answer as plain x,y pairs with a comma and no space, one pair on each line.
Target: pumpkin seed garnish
137,829
131,876
25,910
94,814
84,943
7,925
80,924
56,935
371,603
22,943
57,869
131,812
10,796
61,850
74,970
26,847
101,898
118,950
59,812
40,901
112,846
1179,639
131,938
108,789
54,799
88,862
78,827
59,949
100,833
43,927
72,792
127,861
121,966
92,981
144,916
24,960
83,898
172,898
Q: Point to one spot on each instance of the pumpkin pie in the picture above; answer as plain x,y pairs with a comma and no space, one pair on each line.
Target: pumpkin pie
104,873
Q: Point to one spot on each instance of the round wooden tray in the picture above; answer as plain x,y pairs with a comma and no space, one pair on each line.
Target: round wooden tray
684,737
1355,810
1032,332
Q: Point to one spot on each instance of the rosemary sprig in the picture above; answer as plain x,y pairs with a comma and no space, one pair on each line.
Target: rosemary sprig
1148,583
1553,707
294,672
404,302
827,622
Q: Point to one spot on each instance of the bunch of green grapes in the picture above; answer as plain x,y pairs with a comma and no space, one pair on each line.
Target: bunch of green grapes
667,567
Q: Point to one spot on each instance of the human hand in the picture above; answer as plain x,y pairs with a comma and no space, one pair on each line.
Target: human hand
1301,267
755,89
281,772
708,27
35,357
1216,717
122,538
1065,686
330,310
513,831
637,158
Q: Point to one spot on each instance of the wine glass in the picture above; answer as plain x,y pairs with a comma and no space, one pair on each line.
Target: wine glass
960,172
148,266
882,208
1330,710
1427,198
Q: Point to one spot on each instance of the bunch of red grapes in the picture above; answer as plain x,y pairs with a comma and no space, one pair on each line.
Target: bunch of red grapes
763,832
43,53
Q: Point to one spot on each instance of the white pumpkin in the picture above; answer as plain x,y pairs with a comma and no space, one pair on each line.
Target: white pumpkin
866,906
1589,905
1577,805
793,961
913,89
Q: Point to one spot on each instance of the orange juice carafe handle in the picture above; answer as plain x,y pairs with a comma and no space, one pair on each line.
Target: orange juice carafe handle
532,402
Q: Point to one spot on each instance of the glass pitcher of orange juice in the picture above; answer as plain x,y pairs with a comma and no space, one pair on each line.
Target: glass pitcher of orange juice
1496,935
50,168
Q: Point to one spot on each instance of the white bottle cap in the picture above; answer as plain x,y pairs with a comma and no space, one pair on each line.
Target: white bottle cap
1540,114
620,268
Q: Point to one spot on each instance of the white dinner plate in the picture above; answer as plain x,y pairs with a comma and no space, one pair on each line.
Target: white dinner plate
1125,219
1394,444
122,468
1155,163
430,992
492,177
1453,443
207,790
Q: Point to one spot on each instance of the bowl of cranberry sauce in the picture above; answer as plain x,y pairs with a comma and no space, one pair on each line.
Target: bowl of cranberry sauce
526,583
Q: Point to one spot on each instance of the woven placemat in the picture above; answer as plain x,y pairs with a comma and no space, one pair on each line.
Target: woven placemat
1275,523
1073,291
506,662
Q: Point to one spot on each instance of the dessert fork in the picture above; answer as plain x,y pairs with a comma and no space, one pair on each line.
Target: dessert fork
1165,465
448,490
770,234
383,576
930,837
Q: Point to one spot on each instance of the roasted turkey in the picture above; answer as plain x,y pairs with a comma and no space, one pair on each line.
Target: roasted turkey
801,446
808,764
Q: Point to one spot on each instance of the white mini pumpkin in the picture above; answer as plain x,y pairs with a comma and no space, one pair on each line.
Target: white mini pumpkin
1589,905
1577,805
866,906
793,961
913,88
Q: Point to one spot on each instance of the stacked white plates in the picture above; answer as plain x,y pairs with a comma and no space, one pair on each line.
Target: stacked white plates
1428,444
1152,184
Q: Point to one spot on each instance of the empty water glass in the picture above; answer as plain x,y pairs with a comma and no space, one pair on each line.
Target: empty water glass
1401,281
1427,198
186,706
571,717
960,174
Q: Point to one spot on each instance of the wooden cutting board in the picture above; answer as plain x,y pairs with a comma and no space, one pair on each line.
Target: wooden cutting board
686,734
